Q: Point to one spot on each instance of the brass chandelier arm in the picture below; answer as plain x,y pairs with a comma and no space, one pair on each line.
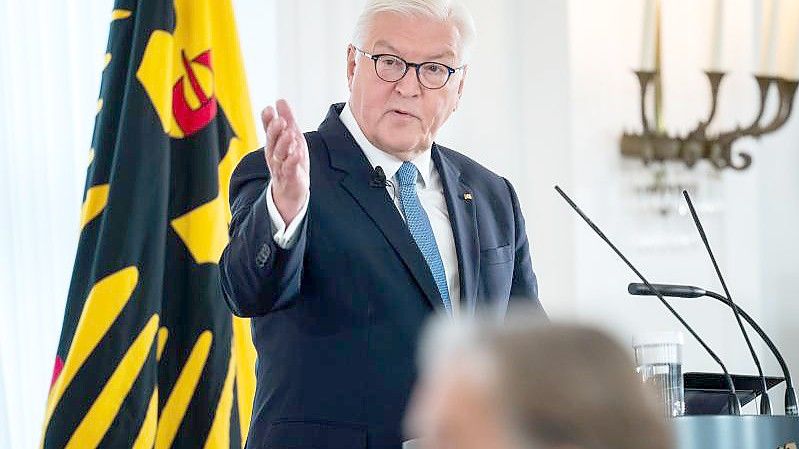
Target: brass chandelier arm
714,79
787,92
653,145
644,79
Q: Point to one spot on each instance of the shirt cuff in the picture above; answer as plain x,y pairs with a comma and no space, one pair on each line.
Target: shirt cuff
284,236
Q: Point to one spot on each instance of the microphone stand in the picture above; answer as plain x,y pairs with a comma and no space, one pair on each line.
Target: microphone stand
734,404
790,394
687,291
765,402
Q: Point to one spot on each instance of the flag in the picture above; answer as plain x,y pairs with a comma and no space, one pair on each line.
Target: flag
149,355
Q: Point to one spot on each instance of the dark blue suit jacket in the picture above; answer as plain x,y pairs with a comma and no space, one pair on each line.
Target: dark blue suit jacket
336,317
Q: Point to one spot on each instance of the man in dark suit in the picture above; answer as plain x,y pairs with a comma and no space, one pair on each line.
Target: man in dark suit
344,240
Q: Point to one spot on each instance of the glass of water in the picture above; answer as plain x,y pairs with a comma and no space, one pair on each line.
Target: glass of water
658,360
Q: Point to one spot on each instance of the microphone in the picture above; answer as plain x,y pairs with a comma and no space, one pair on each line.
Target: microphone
677,291
378,178
733,403
765,402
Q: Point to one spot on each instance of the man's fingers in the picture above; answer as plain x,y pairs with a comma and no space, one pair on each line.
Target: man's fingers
273,133
293,160
292,167
267,115
302,146
284,111
282,146
267,119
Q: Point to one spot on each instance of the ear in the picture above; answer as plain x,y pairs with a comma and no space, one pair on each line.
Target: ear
463,80
351,54
460,87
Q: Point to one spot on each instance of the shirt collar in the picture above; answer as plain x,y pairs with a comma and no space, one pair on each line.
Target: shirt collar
376,156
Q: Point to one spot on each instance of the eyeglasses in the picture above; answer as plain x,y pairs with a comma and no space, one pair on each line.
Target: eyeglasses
391,68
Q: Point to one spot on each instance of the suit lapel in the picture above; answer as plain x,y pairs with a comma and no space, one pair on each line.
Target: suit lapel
463,216
346,156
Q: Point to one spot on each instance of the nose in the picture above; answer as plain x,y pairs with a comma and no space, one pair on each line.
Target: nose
408,85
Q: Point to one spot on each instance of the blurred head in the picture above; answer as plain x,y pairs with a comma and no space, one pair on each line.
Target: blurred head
521,385
403,117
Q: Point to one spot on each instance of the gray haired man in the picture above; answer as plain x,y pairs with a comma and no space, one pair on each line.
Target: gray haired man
345,240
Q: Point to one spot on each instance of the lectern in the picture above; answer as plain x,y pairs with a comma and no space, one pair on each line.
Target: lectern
706,425
736,432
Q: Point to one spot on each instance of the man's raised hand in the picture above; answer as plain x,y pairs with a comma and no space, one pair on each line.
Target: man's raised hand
286,154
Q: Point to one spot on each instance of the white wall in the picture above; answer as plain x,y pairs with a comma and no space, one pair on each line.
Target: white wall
4,431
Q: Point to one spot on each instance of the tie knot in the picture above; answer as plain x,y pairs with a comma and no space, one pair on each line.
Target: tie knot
407,174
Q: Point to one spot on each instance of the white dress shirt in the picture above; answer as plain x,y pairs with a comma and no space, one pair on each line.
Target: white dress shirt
429,189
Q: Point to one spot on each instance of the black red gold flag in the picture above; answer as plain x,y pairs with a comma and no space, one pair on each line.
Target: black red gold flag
149,354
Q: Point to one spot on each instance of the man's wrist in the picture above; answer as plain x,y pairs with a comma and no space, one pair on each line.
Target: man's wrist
288,205
284,232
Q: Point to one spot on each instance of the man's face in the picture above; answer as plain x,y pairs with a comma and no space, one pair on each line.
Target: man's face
402,117
452,408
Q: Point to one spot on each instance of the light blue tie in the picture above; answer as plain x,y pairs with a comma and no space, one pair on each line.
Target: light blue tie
422,232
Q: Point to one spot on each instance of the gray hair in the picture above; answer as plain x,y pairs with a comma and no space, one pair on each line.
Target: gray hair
443,10
558,384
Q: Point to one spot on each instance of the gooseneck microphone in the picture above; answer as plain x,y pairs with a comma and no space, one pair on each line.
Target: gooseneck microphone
765,402
687,291
733,403
673,291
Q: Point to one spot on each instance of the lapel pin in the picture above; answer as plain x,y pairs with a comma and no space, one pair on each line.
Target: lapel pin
467,196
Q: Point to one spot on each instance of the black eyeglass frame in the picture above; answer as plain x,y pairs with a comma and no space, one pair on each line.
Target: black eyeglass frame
416,66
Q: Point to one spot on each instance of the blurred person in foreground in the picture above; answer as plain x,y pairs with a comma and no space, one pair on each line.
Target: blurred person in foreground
530,385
